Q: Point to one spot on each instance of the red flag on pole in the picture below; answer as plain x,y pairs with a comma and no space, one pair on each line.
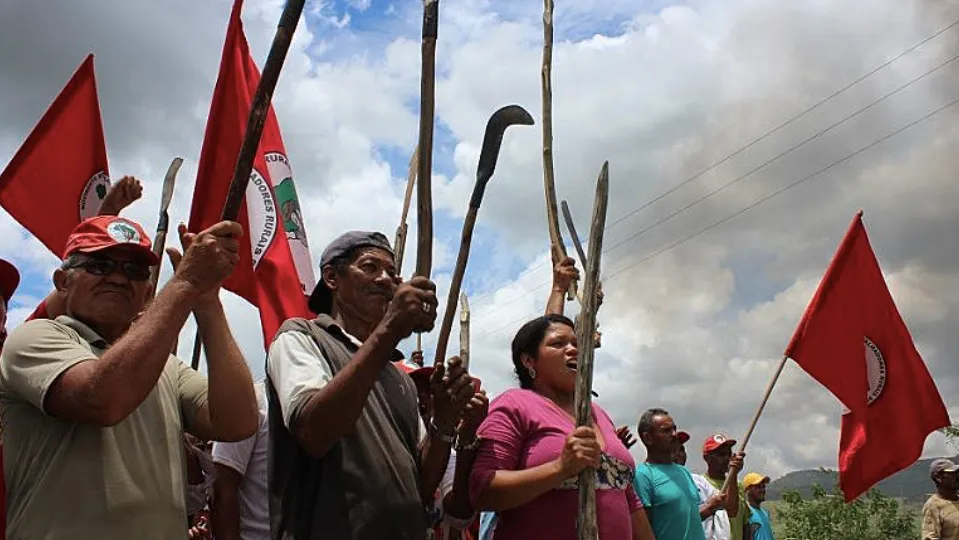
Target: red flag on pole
59,175
275,273
853,340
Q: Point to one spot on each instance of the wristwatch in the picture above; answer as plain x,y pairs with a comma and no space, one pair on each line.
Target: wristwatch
448,438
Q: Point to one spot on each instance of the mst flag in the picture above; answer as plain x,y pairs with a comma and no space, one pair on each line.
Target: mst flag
59,175
276,273
853,341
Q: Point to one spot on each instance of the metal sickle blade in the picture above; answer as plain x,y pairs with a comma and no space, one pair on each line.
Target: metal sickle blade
574,236
507,116
168,182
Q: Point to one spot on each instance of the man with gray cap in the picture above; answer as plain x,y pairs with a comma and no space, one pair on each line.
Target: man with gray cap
940,514
348,455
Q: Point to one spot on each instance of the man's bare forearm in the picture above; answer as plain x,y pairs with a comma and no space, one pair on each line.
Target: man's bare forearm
232,400
457,503
332,411
434,457
225,517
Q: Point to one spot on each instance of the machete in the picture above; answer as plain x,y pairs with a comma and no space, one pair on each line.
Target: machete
495,128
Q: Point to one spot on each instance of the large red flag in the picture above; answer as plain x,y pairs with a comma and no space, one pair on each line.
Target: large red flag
854,342
276,273
59,176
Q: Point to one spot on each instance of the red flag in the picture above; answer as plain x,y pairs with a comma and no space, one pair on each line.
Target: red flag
59,176
854,342
275,273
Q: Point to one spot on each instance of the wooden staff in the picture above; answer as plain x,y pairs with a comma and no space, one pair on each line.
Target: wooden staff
465,330
424,194
586,523
255,122
492,140
399,244
759,412
578,245
557,248
261,106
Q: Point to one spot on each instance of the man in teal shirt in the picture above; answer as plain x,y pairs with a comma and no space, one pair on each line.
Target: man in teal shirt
760,527
666,489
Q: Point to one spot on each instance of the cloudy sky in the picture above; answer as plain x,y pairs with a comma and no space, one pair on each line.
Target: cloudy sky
706,273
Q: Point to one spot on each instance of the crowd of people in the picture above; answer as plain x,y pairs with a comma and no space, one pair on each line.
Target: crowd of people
107,435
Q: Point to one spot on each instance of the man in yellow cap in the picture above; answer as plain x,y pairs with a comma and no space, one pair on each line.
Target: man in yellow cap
760,528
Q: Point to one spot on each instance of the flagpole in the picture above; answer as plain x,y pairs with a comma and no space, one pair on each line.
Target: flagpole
759,412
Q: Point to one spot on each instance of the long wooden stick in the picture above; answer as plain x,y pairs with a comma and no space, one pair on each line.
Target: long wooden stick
424,175
557,248
586,523
399,244
759,412
465,330
261,106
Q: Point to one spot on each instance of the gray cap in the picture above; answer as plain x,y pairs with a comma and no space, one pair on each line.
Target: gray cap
321,300
942,465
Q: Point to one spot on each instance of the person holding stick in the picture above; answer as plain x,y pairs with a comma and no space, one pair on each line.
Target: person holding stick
349,456
95,407
720,461
531,451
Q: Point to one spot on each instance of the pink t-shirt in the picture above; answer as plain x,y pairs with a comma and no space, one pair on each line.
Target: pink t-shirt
525,430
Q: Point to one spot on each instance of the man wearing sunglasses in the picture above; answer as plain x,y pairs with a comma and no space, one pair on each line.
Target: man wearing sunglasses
95,407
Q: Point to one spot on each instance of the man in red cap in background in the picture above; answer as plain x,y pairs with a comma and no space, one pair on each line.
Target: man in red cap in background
720,461
94,405
9,280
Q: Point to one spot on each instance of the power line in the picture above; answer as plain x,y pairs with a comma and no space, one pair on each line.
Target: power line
761,166
755,203
755,141
782,154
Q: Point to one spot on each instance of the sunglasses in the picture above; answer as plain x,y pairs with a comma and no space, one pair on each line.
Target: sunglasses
105,267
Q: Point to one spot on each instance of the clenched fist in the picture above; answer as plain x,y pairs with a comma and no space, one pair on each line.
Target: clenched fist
580,451
412,309
210,257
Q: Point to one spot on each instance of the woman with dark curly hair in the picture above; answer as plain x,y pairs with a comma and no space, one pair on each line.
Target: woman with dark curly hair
531,451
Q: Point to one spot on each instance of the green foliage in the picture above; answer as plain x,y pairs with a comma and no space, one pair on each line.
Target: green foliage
825,516
952,435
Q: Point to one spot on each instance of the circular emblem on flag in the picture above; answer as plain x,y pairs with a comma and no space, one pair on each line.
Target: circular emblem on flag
123,232
288,204
261,212
93,194
875,373
875,370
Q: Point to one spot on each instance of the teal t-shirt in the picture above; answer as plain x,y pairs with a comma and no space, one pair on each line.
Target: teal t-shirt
671,500
759,523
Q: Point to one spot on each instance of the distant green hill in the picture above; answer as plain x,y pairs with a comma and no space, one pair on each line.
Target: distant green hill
912,485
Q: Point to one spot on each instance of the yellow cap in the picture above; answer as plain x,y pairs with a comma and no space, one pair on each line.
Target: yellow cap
754,479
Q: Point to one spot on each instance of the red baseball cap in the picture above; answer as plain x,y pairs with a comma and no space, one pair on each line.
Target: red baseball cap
9,280
682,436
716,441
104,232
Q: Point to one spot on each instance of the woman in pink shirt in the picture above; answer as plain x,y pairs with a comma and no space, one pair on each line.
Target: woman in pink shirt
531,451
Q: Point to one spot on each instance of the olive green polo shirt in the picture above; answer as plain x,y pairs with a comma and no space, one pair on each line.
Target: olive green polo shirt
69,480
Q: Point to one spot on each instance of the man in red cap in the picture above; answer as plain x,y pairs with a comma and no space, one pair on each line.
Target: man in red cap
720,461
120,195
9,279
95,407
